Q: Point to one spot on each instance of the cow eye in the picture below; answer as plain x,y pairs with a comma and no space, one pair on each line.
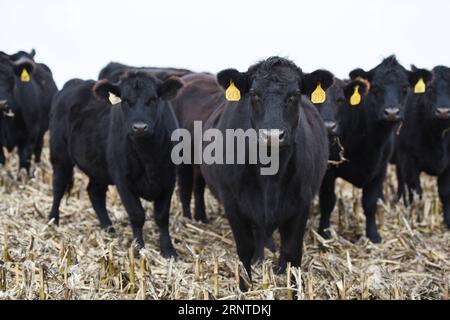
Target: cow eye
255,98
152,100
405,91
376,90
292,99
341,101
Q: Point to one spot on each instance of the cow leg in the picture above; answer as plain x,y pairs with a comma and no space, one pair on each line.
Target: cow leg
411,177
291,234
97,195
259,235
444,195
243,235
414,186
62,180
186,180
199,193
2,155
400,184
38,149
162,212
136,213
25,153
327,201
371,193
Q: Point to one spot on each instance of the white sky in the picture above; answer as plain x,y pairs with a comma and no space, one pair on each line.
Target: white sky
76,38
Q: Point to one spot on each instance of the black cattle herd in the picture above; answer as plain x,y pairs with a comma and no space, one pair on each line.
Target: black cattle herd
329,128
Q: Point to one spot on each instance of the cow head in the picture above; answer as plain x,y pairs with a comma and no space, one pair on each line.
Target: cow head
143,98
11,69
435,93
339,95
389,87
272,89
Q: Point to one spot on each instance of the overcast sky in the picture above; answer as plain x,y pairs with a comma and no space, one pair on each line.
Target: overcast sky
76,38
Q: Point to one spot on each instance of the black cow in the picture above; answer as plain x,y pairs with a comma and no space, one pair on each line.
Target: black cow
340,93
26,91
114,70
255,205
423,144
367,135
127,145
198,99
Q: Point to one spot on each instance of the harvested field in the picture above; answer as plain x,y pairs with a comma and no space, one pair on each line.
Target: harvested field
78,261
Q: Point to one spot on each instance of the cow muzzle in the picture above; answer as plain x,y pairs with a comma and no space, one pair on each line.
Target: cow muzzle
332,128
392,114
273,137
140,129
443,113
3,105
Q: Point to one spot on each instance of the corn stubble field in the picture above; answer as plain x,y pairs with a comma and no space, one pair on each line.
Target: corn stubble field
79,261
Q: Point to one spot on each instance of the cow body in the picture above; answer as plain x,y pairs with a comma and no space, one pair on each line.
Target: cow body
114,70
366,133
200,96
423,144
127,145
24,106
254,204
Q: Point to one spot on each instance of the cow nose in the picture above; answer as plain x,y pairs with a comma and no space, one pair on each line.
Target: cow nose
275,136
3,104
392,113
443,113
140,127
331,127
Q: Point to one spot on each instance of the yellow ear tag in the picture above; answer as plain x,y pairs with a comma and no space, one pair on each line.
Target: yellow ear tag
420,86
355,99
114,99
25,76
232,93
319,95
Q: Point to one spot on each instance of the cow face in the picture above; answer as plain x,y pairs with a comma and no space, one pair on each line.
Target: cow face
272,90
10,71
389,87
142,99
339,95
436,93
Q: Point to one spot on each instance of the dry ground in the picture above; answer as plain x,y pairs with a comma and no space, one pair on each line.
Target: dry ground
78,261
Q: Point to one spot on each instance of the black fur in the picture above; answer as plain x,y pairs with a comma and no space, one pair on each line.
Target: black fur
127,145
424,142
367,135
113,71
25,106
257,205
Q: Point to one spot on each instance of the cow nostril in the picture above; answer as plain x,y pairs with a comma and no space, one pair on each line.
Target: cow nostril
140,127
392,112
443,111
330,125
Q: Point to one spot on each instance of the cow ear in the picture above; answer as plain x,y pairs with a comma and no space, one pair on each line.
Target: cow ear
360,73
228,76
356,90
170,88
311,81
416,74
22,65
103,89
